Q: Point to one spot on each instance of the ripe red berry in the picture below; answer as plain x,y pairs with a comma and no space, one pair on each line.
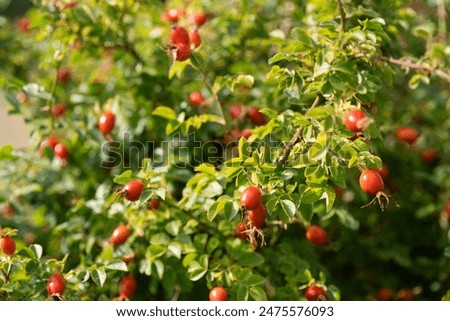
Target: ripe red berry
196,98
256,117
106,122
61,151
182,52
407,134
405,295
429,156
384,171
218,293
21,97
195,39
133,190
199,18
49,142
447,209
64,75
240,231
356,120
257,216
246,133
316,235
179,35
120,234
251,197
7,245
315,293
56,285
24,24
154,204
371,182
384,294
236,111
59,110
173,15
127,286
8,211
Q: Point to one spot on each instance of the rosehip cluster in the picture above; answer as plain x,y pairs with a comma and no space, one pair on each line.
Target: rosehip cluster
59,149
182,41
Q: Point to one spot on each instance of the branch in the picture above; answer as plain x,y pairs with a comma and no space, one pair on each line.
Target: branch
342,14
298,134
440,73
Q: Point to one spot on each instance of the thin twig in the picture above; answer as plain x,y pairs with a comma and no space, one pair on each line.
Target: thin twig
342,14
298,134
440,73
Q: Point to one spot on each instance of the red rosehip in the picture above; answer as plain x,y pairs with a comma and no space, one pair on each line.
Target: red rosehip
64,75
7,245
106,122
24,24
429,156
196,98
236,111
316,235
179,35
384,294
154,204
256,117
371,182
182,52
315,293
257,216
384,171
194,38
120,234
127,286
56,285
447,209
246,133
240,231
133,189
407,134
251,198
59,110
218,293
61,151
173,15
356,120
199,18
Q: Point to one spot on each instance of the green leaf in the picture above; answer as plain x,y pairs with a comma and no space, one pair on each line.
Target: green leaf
306,210
124,178
257,294
165,112
207,169
37,250
99,277
243,80
117,265
35,90
320,112
177,68
329,196
288,207
242,293
6,152
250,259
244,148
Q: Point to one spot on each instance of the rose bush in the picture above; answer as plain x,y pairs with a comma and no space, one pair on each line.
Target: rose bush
200,140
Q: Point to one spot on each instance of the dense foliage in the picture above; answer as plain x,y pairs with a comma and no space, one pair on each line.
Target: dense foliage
280,150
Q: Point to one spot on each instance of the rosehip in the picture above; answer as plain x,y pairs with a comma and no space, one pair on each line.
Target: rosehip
179,35
195,39
120,234
218,293
356,120
127,286
64,75
61,151
7,245
196,98
199,18
240,231
251,197
407,134
133,190
316,235
236,111
257,216
56,285
256,117
182,52
59,110
106,122
371,182
315,293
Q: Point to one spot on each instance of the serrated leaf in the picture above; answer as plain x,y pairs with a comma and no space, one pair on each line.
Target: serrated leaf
165,112
99,277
